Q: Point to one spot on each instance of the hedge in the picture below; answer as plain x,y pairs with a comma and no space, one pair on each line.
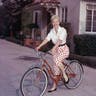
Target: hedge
85,45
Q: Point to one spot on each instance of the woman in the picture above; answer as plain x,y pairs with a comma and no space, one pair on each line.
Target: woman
60,51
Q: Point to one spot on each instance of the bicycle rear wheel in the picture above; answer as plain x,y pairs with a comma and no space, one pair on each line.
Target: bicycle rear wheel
74,72
33,82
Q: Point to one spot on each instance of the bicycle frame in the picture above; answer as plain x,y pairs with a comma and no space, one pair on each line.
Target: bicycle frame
47,68
38,76
72,74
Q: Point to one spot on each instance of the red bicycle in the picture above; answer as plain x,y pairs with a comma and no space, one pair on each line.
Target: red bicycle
34,82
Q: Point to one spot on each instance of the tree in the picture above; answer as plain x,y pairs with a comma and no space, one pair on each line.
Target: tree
11,14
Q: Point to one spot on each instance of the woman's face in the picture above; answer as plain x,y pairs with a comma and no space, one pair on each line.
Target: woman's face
55,23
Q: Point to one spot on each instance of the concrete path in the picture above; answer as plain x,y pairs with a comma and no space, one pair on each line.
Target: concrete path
15,59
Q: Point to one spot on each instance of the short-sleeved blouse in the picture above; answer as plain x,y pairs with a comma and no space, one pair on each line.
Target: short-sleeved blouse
60,35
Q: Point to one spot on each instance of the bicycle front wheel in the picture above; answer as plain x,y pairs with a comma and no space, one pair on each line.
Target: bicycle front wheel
74,72
33,82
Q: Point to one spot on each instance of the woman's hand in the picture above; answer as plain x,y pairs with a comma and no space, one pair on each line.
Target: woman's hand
43,43
37,48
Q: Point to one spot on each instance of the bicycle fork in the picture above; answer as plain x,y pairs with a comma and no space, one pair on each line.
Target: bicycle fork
69,72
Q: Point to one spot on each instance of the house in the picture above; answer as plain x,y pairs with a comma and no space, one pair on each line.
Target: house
39,13
81,14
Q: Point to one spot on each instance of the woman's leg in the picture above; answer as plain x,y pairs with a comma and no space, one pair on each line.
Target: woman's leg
56,78
62,68
55,82
63,52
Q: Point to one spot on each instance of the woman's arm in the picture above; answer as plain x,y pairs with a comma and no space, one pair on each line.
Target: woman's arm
42,44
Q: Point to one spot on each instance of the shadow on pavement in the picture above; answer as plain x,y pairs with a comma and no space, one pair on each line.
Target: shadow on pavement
29,58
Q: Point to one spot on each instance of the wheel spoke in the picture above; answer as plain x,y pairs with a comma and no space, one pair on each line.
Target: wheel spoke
33,82
74,72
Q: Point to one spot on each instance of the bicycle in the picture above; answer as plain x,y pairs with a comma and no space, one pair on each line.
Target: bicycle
35,79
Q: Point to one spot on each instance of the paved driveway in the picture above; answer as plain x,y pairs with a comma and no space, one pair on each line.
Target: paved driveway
15,59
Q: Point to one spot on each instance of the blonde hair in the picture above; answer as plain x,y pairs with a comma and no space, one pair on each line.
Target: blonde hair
54,17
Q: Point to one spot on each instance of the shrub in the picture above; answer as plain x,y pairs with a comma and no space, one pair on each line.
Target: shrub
85,45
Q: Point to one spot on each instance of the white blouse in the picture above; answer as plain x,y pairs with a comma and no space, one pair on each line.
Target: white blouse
60,35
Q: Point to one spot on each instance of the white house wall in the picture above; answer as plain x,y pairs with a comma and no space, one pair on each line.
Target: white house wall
73,13
82,19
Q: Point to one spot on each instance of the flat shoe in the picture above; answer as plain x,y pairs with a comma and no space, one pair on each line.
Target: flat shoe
52,90
66,81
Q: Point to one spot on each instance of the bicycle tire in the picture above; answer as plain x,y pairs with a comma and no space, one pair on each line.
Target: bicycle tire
34,82
74,68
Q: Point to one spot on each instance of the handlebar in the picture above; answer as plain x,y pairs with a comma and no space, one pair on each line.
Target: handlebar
42,54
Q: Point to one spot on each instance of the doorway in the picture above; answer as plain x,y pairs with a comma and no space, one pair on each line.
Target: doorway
50,12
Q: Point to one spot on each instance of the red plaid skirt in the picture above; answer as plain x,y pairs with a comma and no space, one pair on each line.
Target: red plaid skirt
61,54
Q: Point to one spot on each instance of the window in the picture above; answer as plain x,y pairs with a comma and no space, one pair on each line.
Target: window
36,15
91,18
64,14
36,31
